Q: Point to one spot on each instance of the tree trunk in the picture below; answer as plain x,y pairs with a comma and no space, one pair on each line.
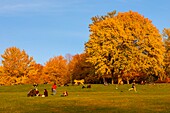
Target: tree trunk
127,79
112,81
104,80
120,79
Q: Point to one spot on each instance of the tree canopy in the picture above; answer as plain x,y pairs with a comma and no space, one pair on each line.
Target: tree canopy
80,69
56,70
121,46
16,65
166,35
125,43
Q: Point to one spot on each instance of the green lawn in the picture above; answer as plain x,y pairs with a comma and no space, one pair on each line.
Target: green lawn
98,99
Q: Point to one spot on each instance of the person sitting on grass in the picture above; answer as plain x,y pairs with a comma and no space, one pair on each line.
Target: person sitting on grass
37,92
83,87
65,93
133,86
89,86
31,93
45,93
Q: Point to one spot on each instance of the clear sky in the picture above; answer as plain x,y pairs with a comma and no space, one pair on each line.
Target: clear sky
48,28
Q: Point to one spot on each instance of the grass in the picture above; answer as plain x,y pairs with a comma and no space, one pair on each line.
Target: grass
98,99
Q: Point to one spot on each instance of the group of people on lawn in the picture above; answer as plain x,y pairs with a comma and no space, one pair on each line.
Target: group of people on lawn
35,91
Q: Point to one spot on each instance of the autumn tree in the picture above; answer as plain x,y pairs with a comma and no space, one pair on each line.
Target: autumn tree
36,75
166,36
2,76
56,70
125,44
80,69
16,64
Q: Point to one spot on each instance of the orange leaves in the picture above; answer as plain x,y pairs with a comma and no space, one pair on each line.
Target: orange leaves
16,63
166,35
19,68
116,42
80,69
35,73
56,69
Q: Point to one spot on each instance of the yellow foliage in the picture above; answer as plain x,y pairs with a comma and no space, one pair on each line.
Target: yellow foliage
15,64
56,70
35,74
127,41
166,35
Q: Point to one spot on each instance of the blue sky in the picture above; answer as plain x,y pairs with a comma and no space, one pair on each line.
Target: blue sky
48,28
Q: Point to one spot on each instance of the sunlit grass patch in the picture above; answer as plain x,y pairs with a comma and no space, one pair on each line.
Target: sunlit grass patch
98,99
